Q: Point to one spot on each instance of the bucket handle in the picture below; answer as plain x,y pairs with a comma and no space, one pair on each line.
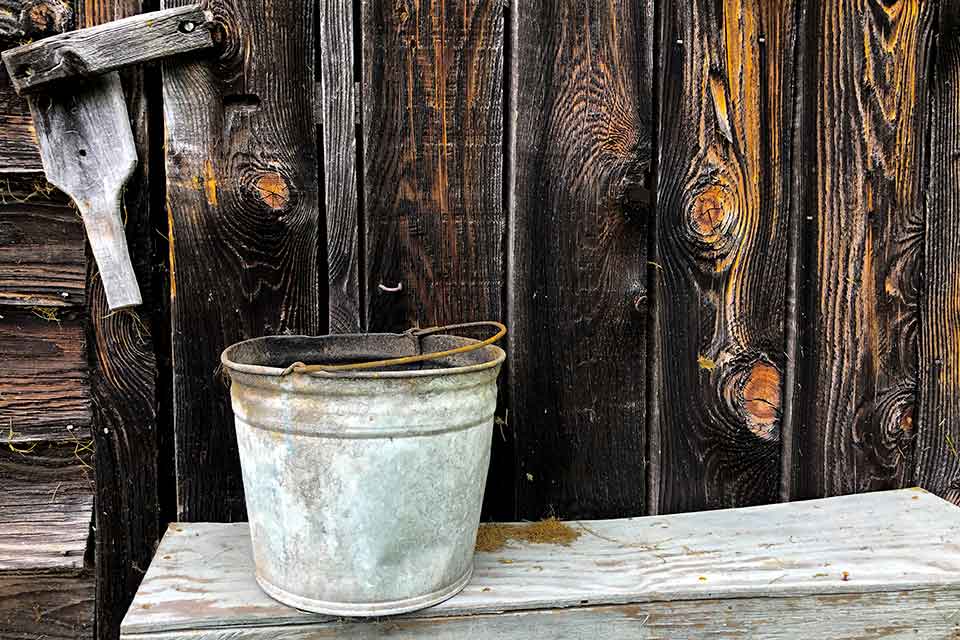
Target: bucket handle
300,367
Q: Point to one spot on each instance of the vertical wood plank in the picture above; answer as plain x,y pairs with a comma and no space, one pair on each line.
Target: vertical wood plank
123,377
720,275
433,154
860,355
938,439
338,106
577,297
433,214
242,196
123,382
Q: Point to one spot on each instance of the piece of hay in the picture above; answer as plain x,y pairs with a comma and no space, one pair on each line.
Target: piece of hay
493,537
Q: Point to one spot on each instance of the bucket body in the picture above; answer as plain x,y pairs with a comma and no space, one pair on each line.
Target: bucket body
363,488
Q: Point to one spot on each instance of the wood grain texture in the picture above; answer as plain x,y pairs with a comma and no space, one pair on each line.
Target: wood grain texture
338,104
577,291
42,257
44,392
721,248
433,153
848,550
18,144
242,195
938,437
22,20
99,49
874,616
124,371
868,94
47,607
433,213
45,506
88,152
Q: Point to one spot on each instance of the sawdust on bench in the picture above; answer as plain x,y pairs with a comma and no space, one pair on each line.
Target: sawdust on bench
493,537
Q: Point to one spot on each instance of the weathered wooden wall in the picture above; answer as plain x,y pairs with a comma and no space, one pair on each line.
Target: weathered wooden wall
722,232
47,575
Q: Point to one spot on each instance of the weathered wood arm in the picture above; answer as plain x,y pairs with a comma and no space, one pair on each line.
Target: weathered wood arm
99,50
86,143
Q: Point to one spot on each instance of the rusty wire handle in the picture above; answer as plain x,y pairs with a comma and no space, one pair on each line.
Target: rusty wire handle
300,367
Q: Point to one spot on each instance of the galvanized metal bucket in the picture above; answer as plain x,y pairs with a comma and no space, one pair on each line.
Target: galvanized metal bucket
364,475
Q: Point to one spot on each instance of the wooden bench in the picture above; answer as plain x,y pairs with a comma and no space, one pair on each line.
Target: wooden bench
872,565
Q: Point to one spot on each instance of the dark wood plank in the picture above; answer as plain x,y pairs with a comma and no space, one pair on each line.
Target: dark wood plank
102,48
868,82
123,376
433,154
45,505
337,102
723,220
18,140
577,291
242,185
44,393
938,438
434,219
22,20
48,607
42,257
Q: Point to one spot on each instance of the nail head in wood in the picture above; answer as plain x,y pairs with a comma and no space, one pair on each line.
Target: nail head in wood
108,47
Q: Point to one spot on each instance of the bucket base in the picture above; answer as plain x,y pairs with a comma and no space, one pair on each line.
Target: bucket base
365,609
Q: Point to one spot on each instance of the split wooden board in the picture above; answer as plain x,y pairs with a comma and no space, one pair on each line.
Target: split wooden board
863,566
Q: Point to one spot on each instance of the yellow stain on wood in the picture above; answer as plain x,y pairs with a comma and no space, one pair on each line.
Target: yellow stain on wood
210,183
706,363
719,95
173,269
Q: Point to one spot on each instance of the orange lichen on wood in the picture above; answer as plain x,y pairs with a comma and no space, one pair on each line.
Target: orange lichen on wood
493,537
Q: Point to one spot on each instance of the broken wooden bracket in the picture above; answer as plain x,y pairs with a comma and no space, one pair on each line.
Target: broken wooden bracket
83,129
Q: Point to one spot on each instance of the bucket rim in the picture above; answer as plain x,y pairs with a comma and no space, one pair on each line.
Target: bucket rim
279,372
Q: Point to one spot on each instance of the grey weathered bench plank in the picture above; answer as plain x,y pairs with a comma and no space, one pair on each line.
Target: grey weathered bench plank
871,565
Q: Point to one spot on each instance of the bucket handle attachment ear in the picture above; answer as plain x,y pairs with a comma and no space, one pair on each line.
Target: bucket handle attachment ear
300,367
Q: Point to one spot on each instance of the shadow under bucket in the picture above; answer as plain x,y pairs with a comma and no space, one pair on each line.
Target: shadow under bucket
363,486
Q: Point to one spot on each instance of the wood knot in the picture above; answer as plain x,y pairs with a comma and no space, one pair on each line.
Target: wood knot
906,420
754,394
272,190
708,215
712,226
